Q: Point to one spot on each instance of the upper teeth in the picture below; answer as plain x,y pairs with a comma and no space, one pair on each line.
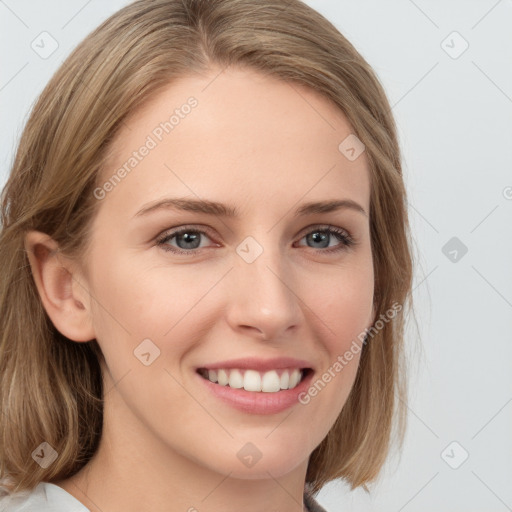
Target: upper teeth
252,380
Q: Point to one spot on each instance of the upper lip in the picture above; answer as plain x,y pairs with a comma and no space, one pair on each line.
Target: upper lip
259,364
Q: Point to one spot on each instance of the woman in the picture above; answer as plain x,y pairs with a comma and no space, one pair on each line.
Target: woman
173,338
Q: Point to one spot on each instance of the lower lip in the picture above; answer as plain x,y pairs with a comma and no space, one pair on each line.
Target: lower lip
254,402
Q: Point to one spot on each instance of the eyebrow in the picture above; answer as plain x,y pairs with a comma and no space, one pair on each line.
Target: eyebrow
219,209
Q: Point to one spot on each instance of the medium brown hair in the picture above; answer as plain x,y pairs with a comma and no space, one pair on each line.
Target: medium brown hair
50,387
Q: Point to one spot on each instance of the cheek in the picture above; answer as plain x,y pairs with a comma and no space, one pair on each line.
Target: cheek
343,312
132,295
345,304
348,313
137,301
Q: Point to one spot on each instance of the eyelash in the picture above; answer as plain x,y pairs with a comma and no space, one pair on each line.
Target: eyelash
342,235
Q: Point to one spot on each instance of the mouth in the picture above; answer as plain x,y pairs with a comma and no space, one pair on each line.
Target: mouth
271,381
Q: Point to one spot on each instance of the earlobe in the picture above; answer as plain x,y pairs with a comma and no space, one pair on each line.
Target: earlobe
62,289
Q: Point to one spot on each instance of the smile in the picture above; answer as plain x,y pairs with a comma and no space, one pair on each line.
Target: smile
271,381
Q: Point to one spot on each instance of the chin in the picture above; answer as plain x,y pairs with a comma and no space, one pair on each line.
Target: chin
276,463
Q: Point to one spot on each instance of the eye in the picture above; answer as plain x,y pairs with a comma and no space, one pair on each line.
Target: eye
188,240
322,235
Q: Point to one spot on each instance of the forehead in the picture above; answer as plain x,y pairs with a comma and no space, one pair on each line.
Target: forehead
235,135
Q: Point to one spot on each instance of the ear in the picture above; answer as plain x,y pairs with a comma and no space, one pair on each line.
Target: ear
63,291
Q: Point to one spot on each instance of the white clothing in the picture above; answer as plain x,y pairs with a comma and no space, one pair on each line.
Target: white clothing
48,497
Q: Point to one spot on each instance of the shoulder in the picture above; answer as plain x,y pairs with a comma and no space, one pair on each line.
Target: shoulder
45,497
24,500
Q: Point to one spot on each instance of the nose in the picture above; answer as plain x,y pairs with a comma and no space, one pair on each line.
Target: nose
264,299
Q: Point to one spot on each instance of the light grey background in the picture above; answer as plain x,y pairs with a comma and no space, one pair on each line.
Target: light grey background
454,113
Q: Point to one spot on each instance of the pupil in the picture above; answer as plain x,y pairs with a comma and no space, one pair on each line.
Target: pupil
319,236
189,238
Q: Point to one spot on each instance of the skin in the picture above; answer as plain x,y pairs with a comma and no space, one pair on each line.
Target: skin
266,147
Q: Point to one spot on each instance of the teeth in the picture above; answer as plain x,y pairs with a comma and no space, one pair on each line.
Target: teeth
236,379
223,378
294,379
285,379
271,382
252,380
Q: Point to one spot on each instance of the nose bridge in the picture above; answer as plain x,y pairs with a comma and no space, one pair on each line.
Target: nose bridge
264,297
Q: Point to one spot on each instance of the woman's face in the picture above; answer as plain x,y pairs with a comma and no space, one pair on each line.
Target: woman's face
267,286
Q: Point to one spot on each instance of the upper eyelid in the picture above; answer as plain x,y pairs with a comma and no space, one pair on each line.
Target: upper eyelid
176,230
